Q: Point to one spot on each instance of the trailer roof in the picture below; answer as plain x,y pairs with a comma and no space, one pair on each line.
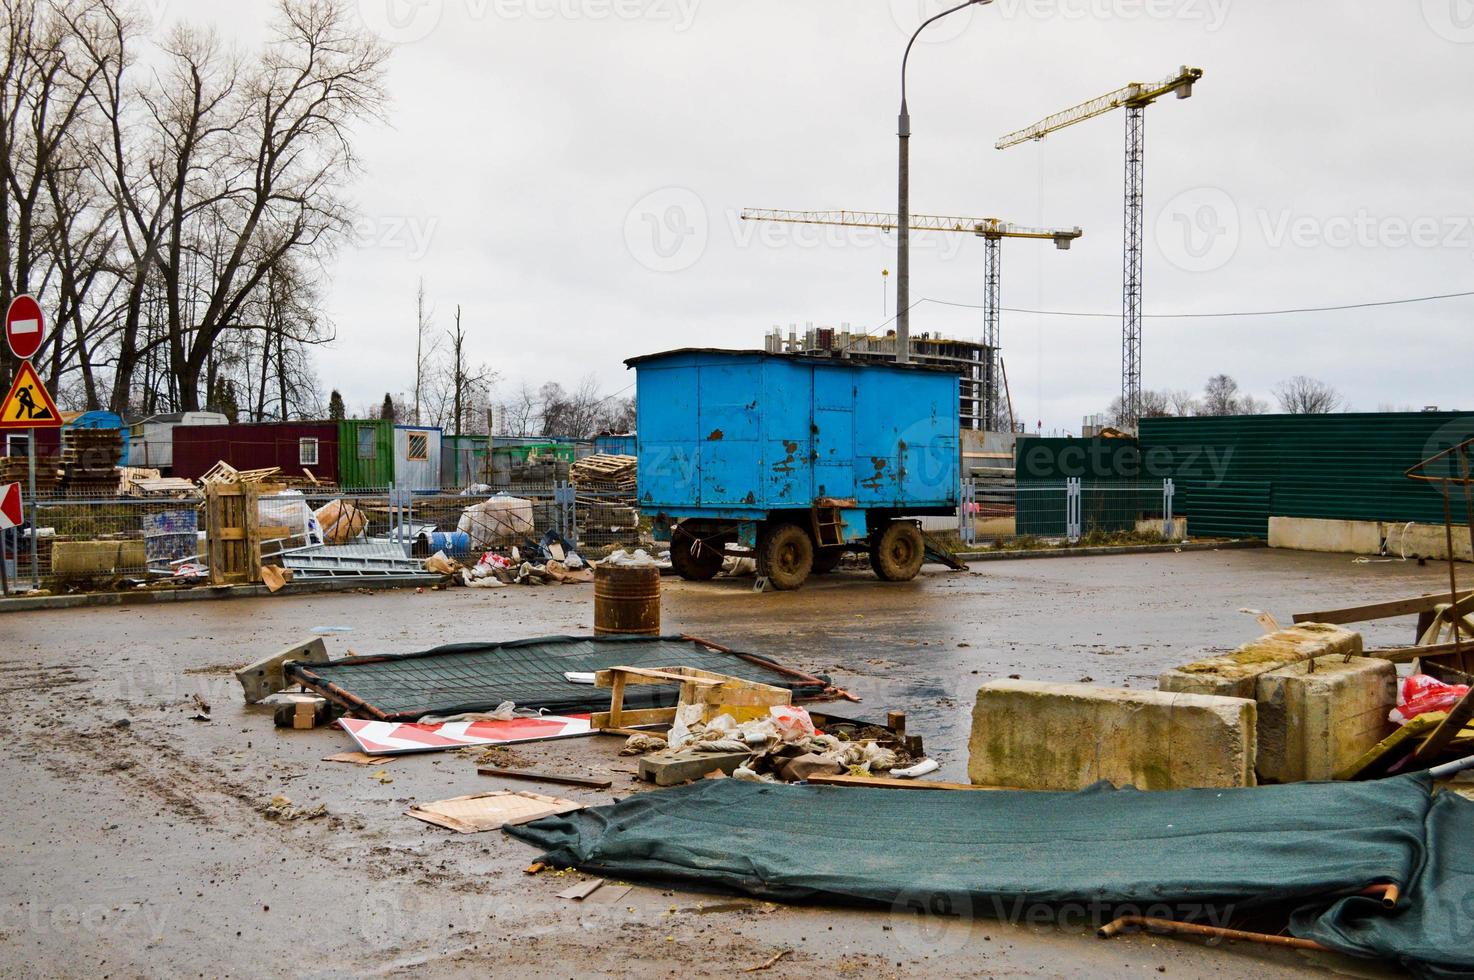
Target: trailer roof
859,362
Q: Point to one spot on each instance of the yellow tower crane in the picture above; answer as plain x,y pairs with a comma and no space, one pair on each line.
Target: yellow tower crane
1134,98
997,409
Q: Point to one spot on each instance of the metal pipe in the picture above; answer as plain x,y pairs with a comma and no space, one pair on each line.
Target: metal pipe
1191,928
1452,768
1388,893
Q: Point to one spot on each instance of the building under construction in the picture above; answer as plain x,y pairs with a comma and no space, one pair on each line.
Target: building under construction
980,389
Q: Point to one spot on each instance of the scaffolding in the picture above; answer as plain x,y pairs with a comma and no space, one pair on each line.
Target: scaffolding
980,386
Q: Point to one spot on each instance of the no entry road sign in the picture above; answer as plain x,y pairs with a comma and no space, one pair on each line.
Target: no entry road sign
25,327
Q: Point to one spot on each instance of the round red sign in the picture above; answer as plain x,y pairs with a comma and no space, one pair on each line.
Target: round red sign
24,327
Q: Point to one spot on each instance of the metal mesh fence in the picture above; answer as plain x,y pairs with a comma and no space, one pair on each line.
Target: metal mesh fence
1067,512
90,541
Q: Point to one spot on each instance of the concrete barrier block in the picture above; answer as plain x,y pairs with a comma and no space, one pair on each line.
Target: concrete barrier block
1319,716
82,558
1042,736
1426,541
1315,534
1236,674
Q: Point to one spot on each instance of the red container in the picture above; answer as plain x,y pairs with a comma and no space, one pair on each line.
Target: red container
294,446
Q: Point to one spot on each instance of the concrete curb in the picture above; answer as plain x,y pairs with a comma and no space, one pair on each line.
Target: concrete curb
1139,549
145,597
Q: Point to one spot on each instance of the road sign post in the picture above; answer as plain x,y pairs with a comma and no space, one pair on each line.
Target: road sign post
35,538
28,405
12,515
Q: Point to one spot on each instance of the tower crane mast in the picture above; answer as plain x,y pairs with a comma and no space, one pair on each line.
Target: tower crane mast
1134,98
991,230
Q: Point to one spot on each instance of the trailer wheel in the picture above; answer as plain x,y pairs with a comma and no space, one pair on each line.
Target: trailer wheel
827,560
785,556
897,552
693,559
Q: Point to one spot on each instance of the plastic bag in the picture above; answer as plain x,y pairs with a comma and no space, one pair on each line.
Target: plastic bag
1420,694
793,722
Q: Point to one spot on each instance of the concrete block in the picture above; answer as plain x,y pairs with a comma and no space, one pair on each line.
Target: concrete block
1042,736
267,676
671,768
82,558
1236,674
1426,541
1319,716
1314,534
1177,532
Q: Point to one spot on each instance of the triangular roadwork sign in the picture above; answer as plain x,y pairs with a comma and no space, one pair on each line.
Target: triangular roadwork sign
29,404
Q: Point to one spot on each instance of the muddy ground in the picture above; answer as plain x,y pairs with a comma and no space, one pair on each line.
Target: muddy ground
140,840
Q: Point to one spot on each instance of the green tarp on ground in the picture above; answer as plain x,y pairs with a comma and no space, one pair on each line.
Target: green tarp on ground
1203,854
464,677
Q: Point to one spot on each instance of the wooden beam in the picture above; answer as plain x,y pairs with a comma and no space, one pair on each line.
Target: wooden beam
633,719
1380,610
1406,655
547,777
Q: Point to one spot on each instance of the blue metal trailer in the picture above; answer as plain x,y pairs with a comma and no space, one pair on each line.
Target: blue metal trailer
797,458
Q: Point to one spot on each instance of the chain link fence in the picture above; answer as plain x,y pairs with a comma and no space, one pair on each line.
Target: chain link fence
87,542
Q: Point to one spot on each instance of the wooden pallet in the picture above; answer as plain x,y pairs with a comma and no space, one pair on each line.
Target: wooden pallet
222,473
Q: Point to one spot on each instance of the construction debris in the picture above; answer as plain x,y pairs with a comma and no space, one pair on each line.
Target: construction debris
403,738
223,473
489,811
530,673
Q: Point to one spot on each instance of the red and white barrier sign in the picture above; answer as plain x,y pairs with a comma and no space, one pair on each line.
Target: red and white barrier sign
402,738
11,512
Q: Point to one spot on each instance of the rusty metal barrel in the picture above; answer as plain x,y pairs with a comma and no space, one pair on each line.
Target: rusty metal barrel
626,600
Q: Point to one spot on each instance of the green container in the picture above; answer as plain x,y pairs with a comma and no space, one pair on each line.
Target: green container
365,454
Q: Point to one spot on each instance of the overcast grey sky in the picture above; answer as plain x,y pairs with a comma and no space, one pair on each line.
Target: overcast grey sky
570,172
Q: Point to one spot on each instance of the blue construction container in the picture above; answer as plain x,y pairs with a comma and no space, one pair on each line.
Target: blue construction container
798,458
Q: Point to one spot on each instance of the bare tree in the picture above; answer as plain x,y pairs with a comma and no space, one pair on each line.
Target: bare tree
1183,403
1249,405
1307,396
1220,396
519,415
1154,405
458,392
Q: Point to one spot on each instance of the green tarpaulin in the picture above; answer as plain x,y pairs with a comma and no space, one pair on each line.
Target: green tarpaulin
1203,854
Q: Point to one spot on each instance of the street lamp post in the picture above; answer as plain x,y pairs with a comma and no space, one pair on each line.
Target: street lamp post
903,256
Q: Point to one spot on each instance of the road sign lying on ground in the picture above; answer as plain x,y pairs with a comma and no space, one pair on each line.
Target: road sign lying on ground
25,327
399,738
29,404
11,512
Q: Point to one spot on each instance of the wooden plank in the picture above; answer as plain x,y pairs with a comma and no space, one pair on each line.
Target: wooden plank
883,782
1385,752
546,777
627,732
1406,655
640,675
582,890
1380,610
630,719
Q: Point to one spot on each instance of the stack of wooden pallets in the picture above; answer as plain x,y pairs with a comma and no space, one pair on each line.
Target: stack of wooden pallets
16,469
89,461
607,489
